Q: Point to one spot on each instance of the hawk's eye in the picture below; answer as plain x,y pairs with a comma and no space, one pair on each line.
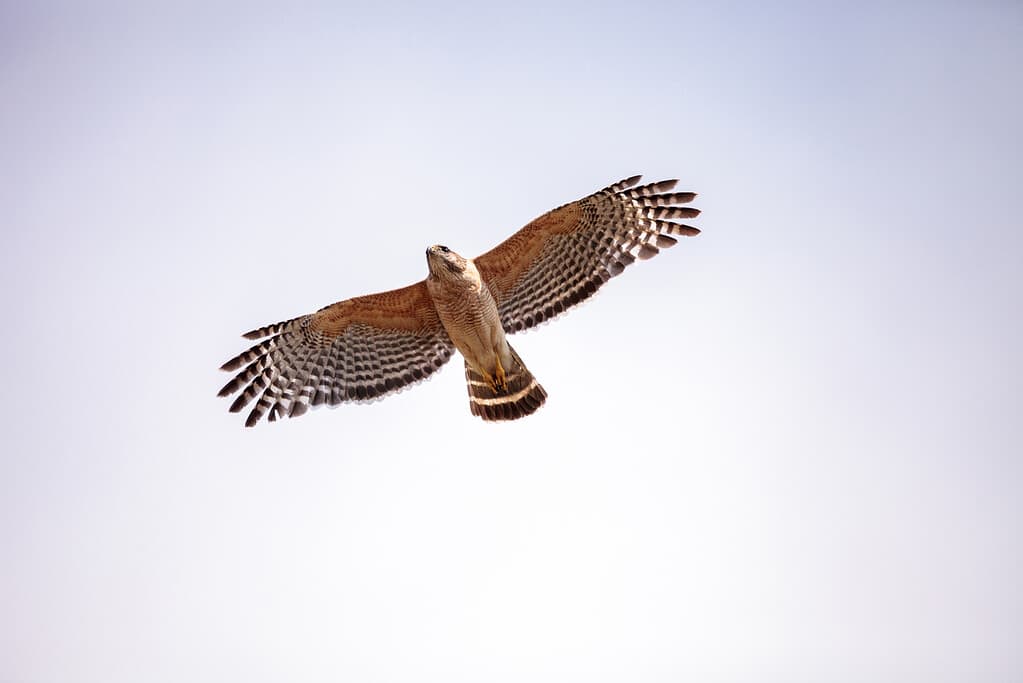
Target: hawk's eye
443,248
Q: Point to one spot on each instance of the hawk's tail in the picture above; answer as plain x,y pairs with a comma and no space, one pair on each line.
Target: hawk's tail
523,396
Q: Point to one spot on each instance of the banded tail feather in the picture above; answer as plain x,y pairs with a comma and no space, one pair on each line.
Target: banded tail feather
524,395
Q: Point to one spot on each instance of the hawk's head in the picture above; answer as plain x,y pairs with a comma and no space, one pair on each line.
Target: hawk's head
444,263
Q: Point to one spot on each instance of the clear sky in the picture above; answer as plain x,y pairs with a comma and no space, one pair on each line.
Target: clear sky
786,450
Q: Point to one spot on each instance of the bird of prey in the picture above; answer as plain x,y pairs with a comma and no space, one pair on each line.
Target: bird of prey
363,348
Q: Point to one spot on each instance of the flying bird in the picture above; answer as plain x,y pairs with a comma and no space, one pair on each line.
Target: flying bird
363,348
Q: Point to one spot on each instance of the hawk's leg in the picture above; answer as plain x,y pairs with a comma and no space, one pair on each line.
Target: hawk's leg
498,381
501,381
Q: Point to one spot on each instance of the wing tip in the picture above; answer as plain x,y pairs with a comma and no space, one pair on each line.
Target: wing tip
268,330
230,365
622,185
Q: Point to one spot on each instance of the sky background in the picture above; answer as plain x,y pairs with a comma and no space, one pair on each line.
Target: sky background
786,450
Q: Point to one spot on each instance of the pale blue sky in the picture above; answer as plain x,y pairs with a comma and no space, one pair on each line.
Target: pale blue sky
786,450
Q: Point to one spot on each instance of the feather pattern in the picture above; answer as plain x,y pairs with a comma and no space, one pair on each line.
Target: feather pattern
522,396
564,256
355,350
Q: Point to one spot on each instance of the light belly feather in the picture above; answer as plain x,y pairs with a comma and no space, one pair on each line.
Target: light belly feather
471,319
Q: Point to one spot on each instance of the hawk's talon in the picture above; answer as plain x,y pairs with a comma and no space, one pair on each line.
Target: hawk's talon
489,379
498,382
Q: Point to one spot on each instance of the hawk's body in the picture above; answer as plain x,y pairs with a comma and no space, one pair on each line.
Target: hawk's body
467,309
369,346
500,386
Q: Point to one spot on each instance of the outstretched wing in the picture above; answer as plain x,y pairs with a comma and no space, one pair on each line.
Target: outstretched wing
565,255
354,350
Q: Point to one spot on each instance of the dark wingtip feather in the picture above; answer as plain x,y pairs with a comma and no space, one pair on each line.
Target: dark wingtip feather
651,189
239,403
647,251
229,388
268,330
622,184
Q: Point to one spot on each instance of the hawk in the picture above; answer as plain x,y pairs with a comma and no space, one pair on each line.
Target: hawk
363,348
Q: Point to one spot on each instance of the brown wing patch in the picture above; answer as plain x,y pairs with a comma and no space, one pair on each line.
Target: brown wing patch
503,266
409,309
354,350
